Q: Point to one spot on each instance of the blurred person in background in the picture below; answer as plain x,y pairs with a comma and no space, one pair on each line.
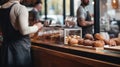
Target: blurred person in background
15,49
84,18
34,14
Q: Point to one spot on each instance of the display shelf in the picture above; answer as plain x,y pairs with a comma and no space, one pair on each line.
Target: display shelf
102,55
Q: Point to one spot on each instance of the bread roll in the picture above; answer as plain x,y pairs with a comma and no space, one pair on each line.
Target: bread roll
112,42
102,42
73,42
75,36
88,43
97,36
106,42
78,37
67,39
98,43
117,40
80,41
89,36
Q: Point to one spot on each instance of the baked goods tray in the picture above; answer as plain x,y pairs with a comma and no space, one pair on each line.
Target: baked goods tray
88,47
115,48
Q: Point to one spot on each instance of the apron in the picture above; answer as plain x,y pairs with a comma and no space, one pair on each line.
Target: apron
15,50
88,29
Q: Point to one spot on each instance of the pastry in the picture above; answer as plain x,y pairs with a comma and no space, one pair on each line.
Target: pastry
73,42
80,41
98,43
97,36
88,43
89,36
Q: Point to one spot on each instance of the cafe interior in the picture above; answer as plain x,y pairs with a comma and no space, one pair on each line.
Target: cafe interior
60,42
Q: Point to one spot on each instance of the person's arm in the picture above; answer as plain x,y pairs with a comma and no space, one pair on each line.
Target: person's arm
24,27
84,23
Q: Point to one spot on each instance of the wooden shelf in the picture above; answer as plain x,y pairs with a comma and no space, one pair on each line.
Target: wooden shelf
110,57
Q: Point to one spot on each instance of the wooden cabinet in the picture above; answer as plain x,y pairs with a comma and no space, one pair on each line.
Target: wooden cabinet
48,58
43,57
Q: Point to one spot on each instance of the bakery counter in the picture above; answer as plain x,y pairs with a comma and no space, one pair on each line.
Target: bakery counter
47,54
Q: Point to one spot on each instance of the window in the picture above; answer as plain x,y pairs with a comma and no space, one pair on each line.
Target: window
109,18
67,6
54,11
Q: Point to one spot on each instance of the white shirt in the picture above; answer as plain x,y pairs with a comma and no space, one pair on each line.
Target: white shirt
19,18
82,12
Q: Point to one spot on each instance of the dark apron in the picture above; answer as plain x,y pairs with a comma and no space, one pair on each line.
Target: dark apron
15,51
88,29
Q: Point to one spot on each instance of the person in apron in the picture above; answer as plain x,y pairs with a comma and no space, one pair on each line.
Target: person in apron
84,18
15,50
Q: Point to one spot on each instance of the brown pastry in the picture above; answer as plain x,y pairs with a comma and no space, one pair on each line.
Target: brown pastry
89,36
67,39
97,36
102,42
75,36
98,44
80,41
88,43
78,37
73,42
117,40
112,42
106,42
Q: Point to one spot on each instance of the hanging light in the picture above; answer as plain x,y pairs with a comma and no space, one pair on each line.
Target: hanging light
115,4
93,2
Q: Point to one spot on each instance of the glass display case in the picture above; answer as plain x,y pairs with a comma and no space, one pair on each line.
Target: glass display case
57,35
69,33
73,37
51,34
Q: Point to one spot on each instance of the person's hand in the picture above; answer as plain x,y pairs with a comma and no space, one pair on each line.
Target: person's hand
39,25
92,22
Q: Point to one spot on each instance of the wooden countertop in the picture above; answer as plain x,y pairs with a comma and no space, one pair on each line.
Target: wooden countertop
104,55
